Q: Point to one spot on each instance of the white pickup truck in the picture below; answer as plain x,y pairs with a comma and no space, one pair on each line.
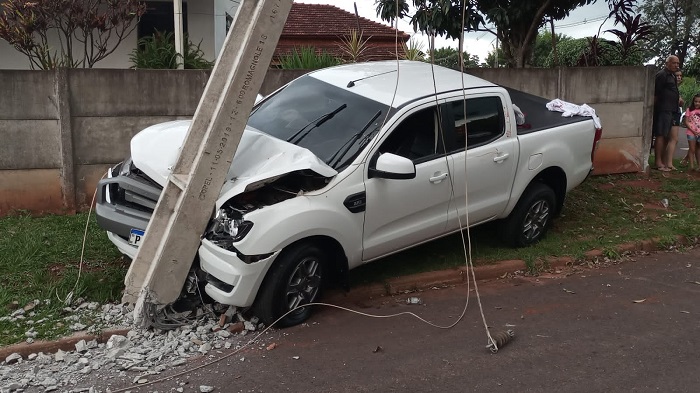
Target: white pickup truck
349,164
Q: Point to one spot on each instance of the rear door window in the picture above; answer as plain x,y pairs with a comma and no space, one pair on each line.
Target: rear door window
484,121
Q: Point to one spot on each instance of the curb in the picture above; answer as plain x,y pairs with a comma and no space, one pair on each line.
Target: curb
458,276
63,344
390,287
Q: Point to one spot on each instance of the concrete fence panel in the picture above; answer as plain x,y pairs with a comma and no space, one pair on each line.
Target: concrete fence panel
116,93
27,95
543,82
603,84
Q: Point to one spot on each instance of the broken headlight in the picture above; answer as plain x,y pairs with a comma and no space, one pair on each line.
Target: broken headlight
228,227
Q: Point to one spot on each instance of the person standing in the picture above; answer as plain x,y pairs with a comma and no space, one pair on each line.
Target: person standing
692,120
666,100
672,140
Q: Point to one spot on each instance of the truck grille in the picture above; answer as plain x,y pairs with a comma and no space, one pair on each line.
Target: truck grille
129,187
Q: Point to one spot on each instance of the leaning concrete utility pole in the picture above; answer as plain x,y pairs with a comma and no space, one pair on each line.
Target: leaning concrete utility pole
159,270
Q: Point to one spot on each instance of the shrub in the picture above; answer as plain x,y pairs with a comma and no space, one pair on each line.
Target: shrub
307,58
158,52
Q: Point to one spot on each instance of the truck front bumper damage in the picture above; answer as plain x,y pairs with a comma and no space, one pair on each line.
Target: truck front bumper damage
229,279
126,201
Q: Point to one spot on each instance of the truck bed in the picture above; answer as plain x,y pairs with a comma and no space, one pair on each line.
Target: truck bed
537,116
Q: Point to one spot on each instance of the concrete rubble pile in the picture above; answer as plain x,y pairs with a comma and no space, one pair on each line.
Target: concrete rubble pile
135,356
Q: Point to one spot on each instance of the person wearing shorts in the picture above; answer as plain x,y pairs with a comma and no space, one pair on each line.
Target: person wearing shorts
666,100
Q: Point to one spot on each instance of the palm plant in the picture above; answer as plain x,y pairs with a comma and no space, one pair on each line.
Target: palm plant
354,46
412,50
306,58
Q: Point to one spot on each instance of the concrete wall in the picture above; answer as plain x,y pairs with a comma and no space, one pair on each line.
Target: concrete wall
60,130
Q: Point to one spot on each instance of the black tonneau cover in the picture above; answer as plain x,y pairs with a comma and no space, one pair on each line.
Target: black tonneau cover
537,116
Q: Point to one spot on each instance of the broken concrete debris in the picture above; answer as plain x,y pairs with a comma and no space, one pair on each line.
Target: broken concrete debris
135,356
414,300
14,358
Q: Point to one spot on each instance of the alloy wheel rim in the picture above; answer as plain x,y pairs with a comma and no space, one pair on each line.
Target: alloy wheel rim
536,220
304,283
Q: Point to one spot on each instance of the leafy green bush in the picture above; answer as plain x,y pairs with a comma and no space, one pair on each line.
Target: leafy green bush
449,57
306,58
158,52
688,88
578,53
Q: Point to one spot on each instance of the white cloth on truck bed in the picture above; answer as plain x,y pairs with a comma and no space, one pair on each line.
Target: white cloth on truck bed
570,109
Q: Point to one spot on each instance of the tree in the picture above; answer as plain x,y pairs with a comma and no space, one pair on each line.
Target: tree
629,49
516,21
542,52
87,31
434,17
580,53
490,60
449,57
676,25
691,67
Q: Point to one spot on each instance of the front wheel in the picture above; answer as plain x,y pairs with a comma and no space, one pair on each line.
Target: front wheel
532,216
295,279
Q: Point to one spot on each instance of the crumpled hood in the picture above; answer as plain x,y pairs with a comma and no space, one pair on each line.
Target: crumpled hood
259,157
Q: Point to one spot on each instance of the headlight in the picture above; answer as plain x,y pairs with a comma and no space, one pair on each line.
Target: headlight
126,167
228,227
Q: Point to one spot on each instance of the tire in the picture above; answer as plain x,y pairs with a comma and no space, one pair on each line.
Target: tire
296,278
529,221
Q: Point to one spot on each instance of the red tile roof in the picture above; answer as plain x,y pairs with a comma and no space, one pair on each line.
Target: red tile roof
322,27
328,20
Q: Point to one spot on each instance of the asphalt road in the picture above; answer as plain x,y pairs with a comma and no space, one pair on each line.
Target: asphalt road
630,327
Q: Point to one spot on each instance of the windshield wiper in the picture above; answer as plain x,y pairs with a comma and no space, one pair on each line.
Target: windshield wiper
316,122
347,145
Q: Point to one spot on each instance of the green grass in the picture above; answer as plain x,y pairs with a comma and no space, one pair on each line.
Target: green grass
602,213
40,256
40,259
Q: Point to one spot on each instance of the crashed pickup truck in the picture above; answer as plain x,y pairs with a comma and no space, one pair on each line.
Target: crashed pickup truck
349,164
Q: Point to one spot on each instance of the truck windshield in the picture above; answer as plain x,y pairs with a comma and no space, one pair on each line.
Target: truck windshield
288,114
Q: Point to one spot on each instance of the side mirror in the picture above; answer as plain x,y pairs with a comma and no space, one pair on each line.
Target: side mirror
391,166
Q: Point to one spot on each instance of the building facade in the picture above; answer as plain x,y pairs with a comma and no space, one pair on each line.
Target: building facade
206,23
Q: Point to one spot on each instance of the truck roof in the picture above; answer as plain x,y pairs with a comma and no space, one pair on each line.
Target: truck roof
377,80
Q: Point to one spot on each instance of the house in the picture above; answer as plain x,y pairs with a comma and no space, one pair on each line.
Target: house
323,26
206,22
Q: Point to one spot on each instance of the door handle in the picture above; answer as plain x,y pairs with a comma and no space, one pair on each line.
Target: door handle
501,157
438,178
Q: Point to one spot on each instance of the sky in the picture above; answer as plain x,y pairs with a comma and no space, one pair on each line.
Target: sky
582,22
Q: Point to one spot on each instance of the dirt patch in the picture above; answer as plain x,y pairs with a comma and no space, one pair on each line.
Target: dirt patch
642,181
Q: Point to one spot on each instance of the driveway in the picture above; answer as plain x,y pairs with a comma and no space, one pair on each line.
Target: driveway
630,327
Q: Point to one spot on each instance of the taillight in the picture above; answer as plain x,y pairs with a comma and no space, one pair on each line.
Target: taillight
596,139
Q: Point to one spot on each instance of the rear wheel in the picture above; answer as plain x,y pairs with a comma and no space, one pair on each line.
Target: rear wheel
532,216
295,279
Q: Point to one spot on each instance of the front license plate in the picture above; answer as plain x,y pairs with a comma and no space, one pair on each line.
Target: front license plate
136,237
